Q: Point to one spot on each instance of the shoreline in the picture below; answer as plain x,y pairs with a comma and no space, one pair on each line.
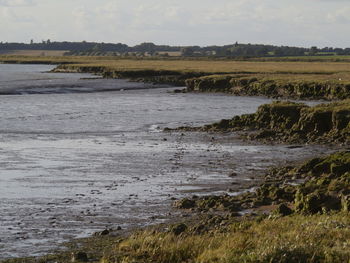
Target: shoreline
210,214
209,205
303,80
238,84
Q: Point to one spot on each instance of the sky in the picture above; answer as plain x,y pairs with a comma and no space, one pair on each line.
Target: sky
305,23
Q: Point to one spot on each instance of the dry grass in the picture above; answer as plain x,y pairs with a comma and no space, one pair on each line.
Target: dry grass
290,239
35,53
208,66
221,66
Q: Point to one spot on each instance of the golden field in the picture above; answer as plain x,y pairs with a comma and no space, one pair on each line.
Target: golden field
190,65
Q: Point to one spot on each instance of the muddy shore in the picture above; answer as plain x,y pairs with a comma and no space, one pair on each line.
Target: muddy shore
261,193
243,83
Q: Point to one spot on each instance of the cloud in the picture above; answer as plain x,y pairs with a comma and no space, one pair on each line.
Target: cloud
186,22
339,16
17,2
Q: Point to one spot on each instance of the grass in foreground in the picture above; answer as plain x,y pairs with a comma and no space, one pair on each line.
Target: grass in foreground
298,238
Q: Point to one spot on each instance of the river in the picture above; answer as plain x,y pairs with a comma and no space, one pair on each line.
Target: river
79,154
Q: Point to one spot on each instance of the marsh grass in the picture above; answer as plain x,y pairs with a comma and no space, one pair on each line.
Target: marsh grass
319,238
187,65
292,239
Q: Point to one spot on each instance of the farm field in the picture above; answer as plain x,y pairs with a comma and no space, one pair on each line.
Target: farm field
189,65
35,53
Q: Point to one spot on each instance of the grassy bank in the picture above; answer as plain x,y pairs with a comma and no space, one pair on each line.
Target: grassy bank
189,65
284,78
296,86
291,122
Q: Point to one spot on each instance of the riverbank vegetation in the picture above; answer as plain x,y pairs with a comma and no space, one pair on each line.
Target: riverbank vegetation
296,86
285,79
292,239
290,122
188,65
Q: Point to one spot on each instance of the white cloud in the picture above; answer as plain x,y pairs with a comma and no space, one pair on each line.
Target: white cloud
339,16
201,22
17,2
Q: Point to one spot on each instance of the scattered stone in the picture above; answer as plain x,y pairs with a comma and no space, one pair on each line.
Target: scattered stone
233,174
105,232
179,229
283,210
79,257
185,203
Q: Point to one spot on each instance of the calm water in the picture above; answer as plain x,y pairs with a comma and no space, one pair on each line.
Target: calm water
80,154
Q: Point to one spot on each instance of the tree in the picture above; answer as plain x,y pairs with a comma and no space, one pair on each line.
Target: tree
313,51
186,51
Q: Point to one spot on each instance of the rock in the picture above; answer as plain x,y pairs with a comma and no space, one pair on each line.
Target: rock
276,193
185,203
265,134
179,229
283,210
223,124
341,119
233,174
105,232
340,168
200,229
79,257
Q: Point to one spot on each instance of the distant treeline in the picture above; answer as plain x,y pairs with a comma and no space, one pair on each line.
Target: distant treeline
150,49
